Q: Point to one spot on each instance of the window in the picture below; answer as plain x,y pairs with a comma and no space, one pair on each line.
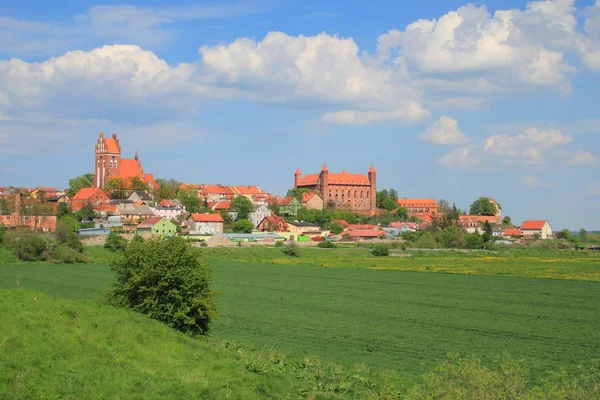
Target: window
116,163
111,164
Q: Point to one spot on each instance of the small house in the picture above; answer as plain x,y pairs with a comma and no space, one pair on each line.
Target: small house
532,228
205,224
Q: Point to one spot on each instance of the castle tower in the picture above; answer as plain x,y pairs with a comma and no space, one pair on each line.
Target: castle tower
373,180
108,159
297,176
324,178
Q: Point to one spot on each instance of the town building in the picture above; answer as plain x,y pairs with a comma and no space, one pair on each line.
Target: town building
300,228
258,213
170,209
353,192
142,196
205,224
474,223
273,224
419,205
44,223
531,228
159,226
132,215
93,196
312,201
288,206
109,164
513,233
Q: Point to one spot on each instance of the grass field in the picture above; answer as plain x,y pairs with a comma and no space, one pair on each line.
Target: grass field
382,317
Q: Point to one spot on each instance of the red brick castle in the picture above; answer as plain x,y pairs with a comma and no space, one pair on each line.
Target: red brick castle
110,165
356,193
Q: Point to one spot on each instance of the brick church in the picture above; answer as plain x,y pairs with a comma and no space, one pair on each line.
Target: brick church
356,193
110,165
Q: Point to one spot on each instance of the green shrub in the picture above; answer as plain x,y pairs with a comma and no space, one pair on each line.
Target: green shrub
115,242
380,250
474,241
279,243
2,230
326,244
65,235
291,250
336,228
167,280
243,226
63,253
27,246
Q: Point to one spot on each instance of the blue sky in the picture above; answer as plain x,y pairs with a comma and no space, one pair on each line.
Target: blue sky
447,99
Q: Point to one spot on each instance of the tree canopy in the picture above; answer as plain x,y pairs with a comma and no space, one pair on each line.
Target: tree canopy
167,189
242,205
78,183
116,188
483,206
387,199
243,226
189,199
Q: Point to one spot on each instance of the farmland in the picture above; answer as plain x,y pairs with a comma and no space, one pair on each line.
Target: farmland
378,314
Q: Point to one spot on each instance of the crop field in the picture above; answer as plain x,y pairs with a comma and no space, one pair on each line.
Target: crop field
377,314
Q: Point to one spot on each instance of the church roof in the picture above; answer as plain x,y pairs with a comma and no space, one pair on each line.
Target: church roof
130,168
111,145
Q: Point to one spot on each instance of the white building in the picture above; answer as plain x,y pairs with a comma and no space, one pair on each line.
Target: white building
168,209
540,227
258,213
205,224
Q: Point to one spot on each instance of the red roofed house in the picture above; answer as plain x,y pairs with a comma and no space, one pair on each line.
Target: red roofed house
419,205
541,227
472,223
364,234
312,201
110,165
212,193
93,196
363,227
272,224
340,222
44,223
205,224
353,192
512,232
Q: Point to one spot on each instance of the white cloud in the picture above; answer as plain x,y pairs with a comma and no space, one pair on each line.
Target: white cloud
525,44
532,181
444,131
325,68
460,158
589,45
582,158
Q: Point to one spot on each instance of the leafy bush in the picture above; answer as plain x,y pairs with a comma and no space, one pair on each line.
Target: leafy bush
2,230
27,246
115,242
279,243
243,226
474,241
336,228
326,244
291,250
63,253
65,235
167,280
380,250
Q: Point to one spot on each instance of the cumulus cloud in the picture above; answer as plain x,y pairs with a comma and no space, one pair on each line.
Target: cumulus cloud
531,181
531,147
444,131
582,158
526,45
412,112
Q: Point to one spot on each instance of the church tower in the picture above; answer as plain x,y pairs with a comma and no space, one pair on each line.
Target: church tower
108,159
373,180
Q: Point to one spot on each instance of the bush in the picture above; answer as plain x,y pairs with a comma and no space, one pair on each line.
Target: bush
68,237
243,226
2,230
474,241
279,243
326,244
291,250
63,253
27,246
336,228
115,242
380,250
167,280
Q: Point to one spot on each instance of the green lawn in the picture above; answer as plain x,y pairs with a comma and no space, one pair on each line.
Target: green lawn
386,319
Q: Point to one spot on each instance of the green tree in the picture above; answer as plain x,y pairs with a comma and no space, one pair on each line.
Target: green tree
243,226
27,246
291,250
62,210
116,188
336,228
380,250
189,199
402,213
297,193
242,205
506,221
483,206
70,222
2,230
582,236
326,244
387,199
78,183
487,228
473,241
450,217
167,189
66,236
167,280
566,234
136,183
86,213
115,242
443,206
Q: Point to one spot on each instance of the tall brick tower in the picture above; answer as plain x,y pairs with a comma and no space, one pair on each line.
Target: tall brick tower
108,159
373,179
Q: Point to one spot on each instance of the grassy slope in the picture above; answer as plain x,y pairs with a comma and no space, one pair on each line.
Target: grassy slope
55,348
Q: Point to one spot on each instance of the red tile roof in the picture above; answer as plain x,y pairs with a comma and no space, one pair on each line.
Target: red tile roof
356,227
224,205
364,233
513,232
149,222
284,201
411,203
345,178
274,220
111,145
340,222
492,219
533,224
306,197
130,169
207,218
86,193
216,189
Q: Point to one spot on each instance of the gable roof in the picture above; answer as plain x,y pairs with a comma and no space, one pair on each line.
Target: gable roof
130,169
135,210
306,197
149,222
142,194
513,232
206,218
286,200
273,219
533,224
364,233
223,205
340,222
111,145
86,193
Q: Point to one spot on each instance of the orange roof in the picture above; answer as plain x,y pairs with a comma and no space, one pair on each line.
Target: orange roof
533,224
149,222
207,218
86,193
424,216
364,233
492,219
111,145
340,222
306,197
216,189
355,227
224,205
513,232
285,201
417,203
413,225
345,178
130,169
276,220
